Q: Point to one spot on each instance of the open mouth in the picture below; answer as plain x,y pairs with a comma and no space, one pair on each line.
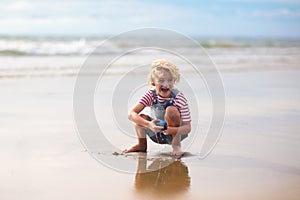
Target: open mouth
164,90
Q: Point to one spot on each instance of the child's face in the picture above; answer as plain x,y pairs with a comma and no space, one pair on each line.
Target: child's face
164,83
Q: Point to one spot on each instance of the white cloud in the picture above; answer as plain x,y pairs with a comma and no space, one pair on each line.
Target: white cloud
263,1
283,12
51,21
135,12
18,6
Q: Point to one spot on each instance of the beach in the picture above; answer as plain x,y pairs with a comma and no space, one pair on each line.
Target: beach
256,157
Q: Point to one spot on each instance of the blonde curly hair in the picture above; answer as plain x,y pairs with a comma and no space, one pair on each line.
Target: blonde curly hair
162,64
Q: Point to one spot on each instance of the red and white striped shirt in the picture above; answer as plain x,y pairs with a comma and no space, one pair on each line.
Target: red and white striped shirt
179,101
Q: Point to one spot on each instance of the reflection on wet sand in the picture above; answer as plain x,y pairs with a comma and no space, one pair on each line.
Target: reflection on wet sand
163,177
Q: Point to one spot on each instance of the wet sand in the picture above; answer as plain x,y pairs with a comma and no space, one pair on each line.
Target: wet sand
257,156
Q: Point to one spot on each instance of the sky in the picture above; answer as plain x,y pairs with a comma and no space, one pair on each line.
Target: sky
222,18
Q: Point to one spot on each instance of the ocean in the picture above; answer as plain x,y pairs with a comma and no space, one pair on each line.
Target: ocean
39,56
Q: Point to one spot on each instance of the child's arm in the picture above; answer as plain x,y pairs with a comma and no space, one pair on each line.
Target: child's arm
183,129
135,117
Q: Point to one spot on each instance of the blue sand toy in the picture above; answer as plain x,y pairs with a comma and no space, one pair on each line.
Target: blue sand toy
162,123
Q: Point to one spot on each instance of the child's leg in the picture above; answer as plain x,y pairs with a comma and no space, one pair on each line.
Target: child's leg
141,145
173,119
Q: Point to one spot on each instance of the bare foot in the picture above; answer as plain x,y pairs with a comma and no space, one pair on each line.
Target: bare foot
177,151
136,148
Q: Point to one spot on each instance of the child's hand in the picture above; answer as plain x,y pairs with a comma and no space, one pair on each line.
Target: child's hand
153,127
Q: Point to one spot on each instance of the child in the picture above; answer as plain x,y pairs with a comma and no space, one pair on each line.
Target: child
168,104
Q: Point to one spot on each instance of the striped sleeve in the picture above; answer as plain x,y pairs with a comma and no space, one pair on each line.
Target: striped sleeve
146,99
182,104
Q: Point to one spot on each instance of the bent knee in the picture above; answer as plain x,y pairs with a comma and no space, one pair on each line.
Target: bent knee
172,113
146,117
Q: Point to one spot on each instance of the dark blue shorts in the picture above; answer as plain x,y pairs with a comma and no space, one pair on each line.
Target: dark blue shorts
161,138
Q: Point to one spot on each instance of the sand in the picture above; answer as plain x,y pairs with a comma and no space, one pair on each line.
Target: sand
257,156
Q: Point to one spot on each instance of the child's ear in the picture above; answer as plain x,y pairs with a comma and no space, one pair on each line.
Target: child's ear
152,83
